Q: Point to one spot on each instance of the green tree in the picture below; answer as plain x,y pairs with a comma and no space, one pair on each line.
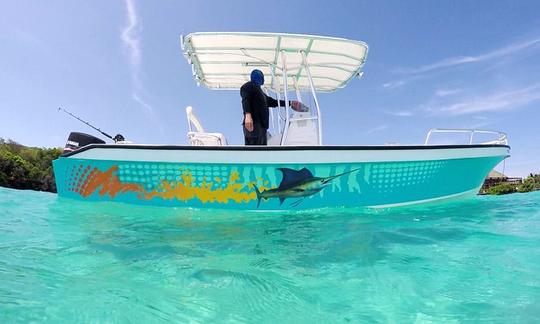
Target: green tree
502,189
27,167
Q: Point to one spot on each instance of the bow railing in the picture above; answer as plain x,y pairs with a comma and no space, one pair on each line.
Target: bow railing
499,137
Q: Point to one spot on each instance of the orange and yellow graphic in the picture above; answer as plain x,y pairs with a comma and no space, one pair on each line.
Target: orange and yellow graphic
108,183
206,192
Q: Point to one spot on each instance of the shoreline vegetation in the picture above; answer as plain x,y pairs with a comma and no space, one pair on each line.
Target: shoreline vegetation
23,167
531,183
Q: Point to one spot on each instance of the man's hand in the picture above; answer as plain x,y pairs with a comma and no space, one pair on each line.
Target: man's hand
248,122
298,106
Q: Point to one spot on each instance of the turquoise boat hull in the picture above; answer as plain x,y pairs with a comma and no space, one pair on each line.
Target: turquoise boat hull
261,179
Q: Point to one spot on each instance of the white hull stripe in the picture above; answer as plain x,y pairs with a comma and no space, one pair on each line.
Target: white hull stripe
468,193
301,156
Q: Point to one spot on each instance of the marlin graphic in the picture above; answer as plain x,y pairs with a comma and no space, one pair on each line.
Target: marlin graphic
297,184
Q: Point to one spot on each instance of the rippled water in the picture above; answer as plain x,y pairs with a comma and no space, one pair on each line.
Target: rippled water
62,261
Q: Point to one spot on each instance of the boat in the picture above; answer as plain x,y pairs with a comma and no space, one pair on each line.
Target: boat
296,170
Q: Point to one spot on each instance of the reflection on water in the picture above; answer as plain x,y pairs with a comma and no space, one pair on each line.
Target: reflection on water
62,260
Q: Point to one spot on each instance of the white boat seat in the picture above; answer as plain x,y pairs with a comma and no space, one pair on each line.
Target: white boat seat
197,136
206,139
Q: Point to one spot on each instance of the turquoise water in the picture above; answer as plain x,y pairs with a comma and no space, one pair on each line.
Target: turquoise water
104,262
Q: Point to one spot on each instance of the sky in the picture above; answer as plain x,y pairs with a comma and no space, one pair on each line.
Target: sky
118,64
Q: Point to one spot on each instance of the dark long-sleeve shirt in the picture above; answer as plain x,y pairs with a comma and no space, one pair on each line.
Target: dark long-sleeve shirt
256,102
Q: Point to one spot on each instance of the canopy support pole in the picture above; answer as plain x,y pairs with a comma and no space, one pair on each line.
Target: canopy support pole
284,68
272,124
298,94
306,65
275,84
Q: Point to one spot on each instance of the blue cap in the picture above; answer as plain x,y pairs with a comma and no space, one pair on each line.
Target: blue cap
257,77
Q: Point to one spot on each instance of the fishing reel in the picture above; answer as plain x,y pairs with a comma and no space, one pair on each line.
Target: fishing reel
119,138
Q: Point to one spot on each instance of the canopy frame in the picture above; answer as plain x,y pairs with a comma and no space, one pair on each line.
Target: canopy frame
338,60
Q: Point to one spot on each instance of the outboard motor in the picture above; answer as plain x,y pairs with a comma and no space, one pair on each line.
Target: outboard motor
77,140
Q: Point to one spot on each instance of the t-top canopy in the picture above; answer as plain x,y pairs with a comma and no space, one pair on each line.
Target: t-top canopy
225,60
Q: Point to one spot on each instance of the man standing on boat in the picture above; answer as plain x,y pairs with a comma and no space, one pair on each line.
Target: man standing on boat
255,104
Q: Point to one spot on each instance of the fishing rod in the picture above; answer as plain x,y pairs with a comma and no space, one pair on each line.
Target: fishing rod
117,138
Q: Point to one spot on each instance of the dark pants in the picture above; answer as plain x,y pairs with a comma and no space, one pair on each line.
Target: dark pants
257,137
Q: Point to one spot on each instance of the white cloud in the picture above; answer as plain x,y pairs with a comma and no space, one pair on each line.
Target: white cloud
399,113
130,36
462,60
480,117
393,84
376,129
476,125
141,101
446,92
150,110
495,58
497,101
27,38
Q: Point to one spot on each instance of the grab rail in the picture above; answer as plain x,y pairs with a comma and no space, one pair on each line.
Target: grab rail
501,139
